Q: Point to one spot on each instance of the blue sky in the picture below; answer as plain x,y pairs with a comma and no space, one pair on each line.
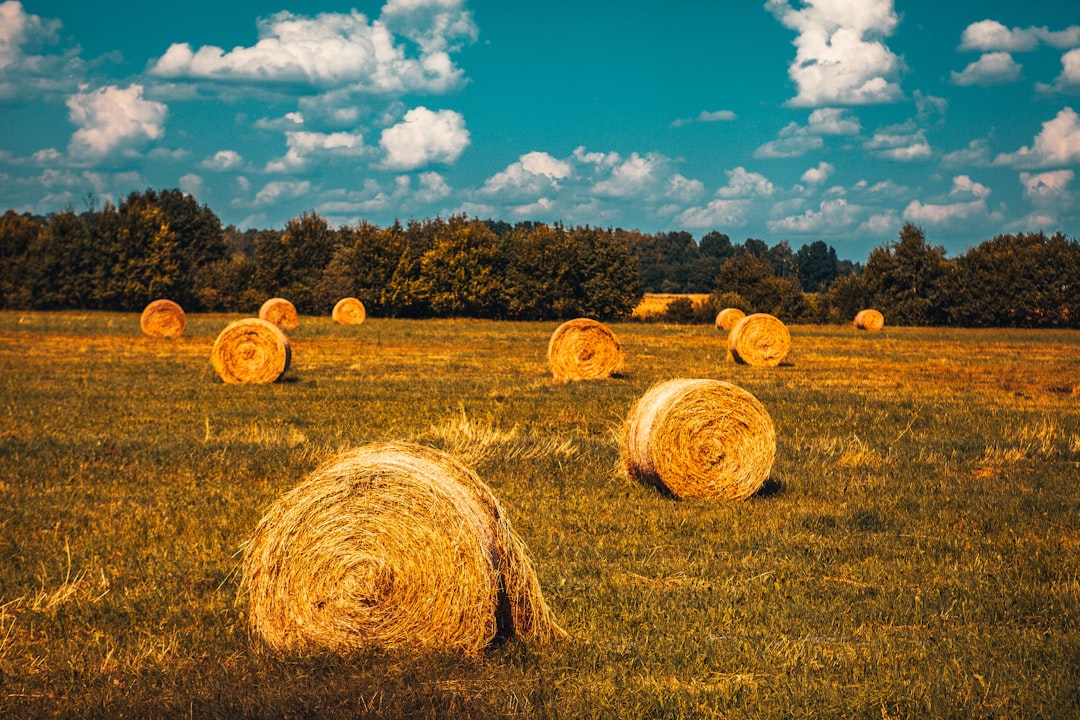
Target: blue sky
834,120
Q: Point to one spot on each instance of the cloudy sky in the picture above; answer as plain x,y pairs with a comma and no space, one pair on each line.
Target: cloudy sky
834,120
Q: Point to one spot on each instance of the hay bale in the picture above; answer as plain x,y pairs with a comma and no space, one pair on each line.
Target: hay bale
759,339
390,545
700,439
349,311
869,320
163,318
281,312
583,349
251,351
728,318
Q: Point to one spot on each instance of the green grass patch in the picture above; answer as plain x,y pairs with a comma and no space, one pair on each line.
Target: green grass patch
916,552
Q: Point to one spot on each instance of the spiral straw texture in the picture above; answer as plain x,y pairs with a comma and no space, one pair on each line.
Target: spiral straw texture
869,320
281,312
163,318
251,351
391,545
700,439
349,311
728,317
759,339
583,349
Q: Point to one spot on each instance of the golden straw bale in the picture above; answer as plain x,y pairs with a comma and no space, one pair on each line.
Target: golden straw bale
869,320
349,311
281,312
700,439
391,545
728,317
759,339
251,351
163,318
583,349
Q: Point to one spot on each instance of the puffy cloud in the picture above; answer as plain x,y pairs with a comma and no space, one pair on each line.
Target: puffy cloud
111,119
21,71
223,160
990,35
819,174
996,68
304,145
634,177
337,49
718,213
796,140
191,184
964,185
424,137
743,184
833,215
1057,144
280,190
944,214
840,59
976,154
532,174
903,143
1069,79
1047,187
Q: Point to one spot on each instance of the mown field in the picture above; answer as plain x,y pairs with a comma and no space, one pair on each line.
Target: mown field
916,552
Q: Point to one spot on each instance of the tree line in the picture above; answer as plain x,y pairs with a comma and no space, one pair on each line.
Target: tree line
157,244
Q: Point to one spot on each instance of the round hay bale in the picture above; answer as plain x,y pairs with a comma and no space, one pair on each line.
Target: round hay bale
759,339
251,351
869,320
583,349
700,439
163,318
390,545
728,318
281,312
349,311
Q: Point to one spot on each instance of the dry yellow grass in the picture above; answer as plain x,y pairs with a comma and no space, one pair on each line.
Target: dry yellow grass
391,545
656,304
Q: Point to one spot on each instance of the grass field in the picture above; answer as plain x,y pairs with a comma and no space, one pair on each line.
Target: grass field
916,552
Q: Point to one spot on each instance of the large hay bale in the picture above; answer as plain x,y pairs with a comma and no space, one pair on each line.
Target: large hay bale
728,318
163,318
281,312
759,339
349,311
700,439
869,319
251,351
583,349
391,545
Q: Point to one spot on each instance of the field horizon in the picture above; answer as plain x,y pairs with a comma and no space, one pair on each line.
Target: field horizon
915,553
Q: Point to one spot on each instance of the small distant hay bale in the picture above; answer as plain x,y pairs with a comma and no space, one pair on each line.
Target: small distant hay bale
281,312
251,351
349,311
869,319
700,439
391,545
163,318
728,318
583,349
759,339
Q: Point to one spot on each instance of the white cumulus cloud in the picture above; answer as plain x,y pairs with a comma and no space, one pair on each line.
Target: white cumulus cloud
533,174
112,119
991,35
1046,187
745,184
996,68
1069,79
1057,144
833,215
903,143
223,160
424,137
964,185
840,57
819,174
303,145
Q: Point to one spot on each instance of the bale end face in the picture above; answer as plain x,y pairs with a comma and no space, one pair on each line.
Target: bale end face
349,311
869,319
163,318
727,318
700,438
584,349
251,351
280,312
390,545
759,339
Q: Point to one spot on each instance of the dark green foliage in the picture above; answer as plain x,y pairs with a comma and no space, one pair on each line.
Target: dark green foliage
907,281
817,266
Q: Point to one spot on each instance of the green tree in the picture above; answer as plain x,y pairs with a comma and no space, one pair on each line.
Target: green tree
290,263
908,280
1023,280
817,266
461,273
18,233
610,279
